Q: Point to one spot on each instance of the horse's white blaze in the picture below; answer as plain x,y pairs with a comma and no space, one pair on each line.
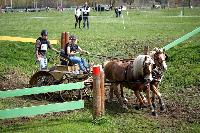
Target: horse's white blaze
148,77
164,65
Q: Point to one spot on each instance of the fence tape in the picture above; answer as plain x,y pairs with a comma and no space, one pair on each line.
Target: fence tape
181,39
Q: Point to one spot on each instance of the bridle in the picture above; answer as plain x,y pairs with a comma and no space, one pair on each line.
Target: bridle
159,58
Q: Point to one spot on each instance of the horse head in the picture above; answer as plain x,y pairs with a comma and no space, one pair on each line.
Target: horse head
148,67
159,58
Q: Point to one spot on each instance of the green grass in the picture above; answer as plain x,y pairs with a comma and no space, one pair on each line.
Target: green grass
20,56
106,36
184,65
82,122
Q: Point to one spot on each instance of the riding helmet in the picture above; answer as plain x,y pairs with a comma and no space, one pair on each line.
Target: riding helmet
72,37
44,33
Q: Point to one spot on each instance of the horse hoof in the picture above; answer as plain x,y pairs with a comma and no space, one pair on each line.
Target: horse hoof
125,101
144,106
109,100
162,108
137,107
125,107
154,113
154,105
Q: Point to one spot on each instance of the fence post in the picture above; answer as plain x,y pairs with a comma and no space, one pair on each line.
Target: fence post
64,39
96,92
102,92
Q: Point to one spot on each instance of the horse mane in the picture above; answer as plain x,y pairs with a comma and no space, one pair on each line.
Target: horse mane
137,68
152,53
155,50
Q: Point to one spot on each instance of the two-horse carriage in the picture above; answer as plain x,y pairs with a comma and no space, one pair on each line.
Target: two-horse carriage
117,72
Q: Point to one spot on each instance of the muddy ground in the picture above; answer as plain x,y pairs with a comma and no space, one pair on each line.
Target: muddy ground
183,105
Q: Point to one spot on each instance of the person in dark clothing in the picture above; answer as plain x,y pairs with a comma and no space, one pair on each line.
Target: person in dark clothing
71,50
119,11
41,46
116,12
86,12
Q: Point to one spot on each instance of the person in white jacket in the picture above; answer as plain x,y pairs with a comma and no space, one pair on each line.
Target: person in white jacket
78,16
86,12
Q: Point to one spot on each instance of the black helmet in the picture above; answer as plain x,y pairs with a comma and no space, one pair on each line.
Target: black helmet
44,33
72,37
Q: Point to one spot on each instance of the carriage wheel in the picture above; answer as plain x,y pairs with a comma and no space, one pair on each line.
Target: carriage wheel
42,79
87,93
71,94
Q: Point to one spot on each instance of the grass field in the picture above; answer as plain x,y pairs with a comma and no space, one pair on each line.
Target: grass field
107,36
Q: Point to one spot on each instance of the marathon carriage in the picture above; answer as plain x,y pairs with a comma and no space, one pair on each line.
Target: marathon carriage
60,74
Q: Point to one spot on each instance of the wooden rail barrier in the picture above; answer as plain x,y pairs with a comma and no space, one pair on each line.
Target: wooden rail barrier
42,109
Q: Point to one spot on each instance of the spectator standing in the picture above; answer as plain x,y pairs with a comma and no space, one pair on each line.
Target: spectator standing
78,16
119,11
86,12
116,11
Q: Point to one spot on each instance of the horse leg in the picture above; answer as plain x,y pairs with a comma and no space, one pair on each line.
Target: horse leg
153,100
120,99
143,97
111,92
125,100
154,88
153,95
137,94
147,89
122,91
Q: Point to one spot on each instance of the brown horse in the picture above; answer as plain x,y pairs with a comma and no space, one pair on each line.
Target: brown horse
160,66
159,57
135,75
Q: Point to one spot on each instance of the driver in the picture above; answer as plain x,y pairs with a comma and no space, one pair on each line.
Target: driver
71,50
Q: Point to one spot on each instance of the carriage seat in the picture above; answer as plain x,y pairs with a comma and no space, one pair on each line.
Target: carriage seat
65,60
70,63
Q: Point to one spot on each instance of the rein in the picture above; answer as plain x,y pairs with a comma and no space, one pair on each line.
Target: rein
110,57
